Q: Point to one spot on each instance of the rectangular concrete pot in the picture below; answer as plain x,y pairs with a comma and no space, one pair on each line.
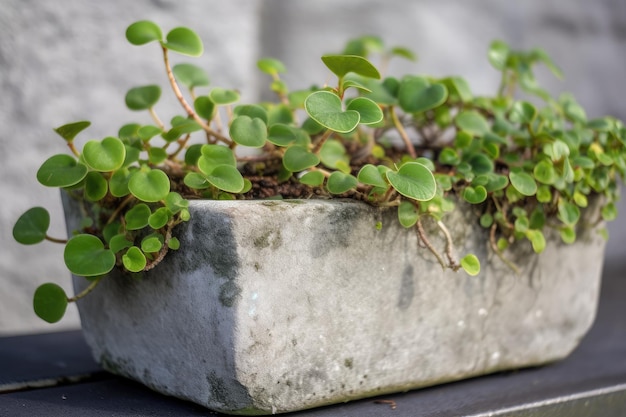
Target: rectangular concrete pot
272,307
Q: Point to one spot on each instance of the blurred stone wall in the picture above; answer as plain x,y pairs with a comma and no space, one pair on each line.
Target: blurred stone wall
68,60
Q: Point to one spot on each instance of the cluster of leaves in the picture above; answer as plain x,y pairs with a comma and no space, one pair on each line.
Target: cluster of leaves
421,144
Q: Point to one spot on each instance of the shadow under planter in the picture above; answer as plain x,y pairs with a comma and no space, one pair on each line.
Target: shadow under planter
280,306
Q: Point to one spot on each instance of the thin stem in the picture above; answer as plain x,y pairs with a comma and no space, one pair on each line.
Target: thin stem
322,140
422,235
55,240
405,137
70,144
494,247
190,112
449,246
156,119
86,291
119,209
157,260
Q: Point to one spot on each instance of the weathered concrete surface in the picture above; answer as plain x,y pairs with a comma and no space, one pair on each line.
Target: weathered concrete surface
279,306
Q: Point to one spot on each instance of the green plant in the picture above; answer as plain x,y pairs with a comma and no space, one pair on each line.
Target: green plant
422,145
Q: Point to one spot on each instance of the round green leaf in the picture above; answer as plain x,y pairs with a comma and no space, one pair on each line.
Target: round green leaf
148,132
142,98
152,244
181,127
86,256
413,180
69,131
537,240
609,212
221,96
184,41
174,244
333,155
142,32
175,202
134,260
369,111
523,183
481,164
569,213
471,264
253,111
341,65
416,95
271,66
190,75
472,122
248,132
312,178
32,226
137,217
156,155
498,54
568,234
544,172
119,242
205,107
96,186
118,184
196,181
226,178
475,195
50,302
449,156
298,158
407,214
159,218
281,134
486,220
61,171
214,156
105,155
149,185
339,183
370,175
325,108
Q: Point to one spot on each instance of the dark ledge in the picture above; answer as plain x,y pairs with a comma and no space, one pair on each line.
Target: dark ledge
54,375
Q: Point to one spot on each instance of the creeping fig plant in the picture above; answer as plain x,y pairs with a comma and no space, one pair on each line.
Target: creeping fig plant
420,145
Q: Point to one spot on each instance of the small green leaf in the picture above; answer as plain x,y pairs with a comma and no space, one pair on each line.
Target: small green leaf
50,302
190,75
32,226
403,53
175,202
369,111
149,185
413,180
253,111
544,172
498,54
568,234
472,122
298,158
152,243
96,186
159,218
523,183
339,183
486,220
205,107
470,264
248,132
325,108
104,155
70,130
156,155
281,134
134,260
407,214
214,156
537,240
333,155
118,184
142,98
523,112
222,97
148,132
341,65
142,32
370,175
544,195
271,66
475,195
609,212
196,181
119,242
449,156
184,41
569,213
312,178
226,178
86,256
481,164
417,94
137,217
61,171
174,244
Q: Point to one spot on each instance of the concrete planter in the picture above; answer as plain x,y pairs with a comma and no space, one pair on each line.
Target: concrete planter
272,307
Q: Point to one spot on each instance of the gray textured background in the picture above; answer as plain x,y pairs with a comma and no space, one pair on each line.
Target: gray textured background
68,60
